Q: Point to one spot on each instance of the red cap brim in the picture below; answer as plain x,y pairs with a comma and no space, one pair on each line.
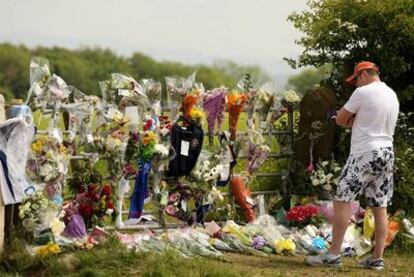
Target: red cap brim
352,79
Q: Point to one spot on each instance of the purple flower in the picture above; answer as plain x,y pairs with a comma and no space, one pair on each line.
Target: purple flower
256,156
214,107
258,242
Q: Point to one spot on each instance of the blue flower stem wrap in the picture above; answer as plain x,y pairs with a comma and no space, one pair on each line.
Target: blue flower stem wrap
140,190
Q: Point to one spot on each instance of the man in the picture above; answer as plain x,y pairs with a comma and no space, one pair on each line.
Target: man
371,112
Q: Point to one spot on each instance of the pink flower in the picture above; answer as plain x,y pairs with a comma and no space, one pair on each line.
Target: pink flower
310,169
174,197
170,210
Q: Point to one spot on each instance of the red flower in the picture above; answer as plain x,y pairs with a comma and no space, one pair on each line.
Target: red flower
107,190
85,210
301,213
109,205
92,187
148,125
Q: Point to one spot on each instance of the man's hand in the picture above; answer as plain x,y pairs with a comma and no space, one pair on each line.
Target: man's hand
345,118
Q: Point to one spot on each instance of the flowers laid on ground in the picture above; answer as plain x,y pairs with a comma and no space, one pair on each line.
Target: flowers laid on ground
49,249
285,246
301,215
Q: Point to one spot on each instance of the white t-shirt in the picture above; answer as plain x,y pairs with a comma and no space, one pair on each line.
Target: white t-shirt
376,107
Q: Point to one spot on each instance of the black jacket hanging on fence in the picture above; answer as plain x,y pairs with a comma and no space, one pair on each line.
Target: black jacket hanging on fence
187,143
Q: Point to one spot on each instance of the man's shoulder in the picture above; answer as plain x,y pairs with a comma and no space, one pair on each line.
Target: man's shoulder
375,86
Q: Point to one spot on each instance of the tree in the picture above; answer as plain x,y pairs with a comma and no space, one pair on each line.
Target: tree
343,32
308,78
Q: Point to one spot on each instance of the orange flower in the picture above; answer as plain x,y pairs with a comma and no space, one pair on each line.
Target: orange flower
189,102
235,105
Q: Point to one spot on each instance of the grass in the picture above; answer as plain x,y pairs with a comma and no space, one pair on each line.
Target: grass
113,259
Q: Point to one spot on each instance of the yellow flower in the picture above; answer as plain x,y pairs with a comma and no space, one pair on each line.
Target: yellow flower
285,245
50,248
54,249
63,150
197,115
149,137
36,147
42,251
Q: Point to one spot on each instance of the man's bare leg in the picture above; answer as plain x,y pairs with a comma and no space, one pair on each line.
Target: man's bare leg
342,214
381,229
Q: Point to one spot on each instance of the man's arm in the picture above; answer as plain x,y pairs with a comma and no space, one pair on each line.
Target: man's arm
345,118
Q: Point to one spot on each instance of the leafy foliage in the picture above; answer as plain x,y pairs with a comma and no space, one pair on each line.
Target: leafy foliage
342,33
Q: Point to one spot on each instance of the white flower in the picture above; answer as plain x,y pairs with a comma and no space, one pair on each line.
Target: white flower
109,211
291,96
329,176
315,182
327,187
161,149
57,226
325,163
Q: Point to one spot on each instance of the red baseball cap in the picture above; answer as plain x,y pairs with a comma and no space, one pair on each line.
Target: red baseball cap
359,68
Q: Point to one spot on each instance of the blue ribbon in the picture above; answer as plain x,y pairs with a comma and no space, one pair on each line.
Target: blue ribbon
140,190
3,160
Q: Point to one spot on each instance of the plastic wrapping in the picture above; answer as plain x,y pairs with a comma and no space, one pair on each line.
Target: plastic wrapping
242,195
177,88
265,101
39,75
257,151
37,212
369,224
235,105
213,105
123,91
153,90
267,227
47,162
15,137
235,230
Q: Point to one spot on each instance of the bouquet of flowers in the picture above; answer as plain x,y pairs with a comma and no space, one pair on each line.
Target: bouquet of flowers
265,100
177,88
142,147
153,90
80,116
37,211
39,75
47,162
214,107
95,203
290,98
326,176
235,105
123,91
257,151
301,216
285,246
49,249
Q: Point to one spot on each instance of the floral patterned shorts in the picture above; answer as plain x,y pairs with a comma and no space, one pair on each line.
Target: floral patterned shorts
371,174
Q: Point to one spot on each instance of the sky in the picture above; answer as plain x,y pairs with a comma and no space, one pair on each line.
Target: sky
189,31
